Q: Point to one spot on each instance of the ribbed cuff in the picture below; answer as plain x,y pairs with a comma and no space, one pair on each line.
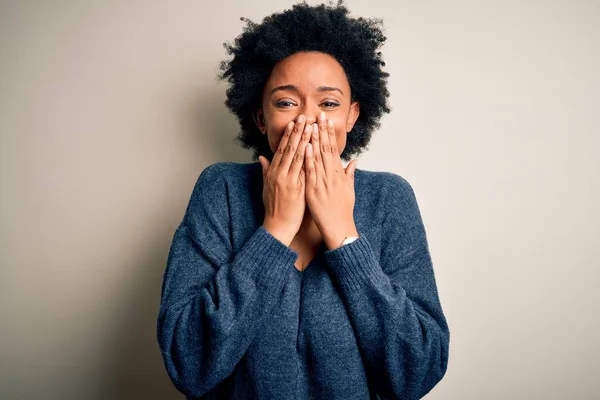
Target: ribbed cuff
355,264
266,260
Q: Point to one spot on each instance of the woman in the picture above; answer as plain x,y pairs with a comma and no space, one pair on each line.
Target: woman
295,277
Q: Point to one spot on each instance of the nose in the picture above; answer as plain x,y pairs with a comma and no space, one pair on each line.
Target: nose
311,118
311,112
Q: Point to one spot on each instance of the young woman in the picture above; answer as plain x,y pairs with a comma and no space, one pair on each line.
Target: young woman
297,277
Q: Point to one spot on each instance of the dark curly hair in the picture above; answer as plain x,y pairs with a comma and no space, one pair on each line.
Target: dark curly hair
353,42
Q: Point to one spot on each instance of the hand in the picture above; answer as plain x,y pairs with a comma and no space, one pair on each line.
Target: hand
284,182
329,186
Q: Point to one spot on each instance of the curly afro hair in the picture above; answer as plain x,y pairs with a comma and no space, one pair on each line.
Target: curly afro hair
353,42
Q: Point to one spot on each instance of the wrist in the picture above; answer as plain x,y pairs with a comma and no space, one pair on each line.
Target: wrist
337,240
283,235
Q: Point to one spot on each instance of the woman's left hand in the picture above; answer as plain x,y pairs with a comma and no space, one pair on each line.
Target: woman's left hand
329,186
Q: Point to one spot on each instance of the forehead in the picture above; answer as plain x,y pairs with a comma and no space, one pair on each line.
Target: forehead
308,70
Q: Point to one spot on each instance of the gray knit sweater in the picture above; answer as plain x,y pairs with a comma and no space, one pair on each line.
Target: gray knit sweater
237,320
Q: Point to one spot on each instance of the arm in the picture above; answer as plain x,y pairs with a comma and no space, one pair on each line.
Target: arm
212,302
393,305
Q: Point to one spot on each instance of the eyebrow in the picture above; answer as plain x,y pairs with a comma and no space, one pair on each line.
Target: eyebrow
294,88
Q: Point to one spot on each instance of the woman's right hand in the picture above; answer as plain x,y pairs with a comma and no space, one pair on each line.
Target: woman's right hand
284,182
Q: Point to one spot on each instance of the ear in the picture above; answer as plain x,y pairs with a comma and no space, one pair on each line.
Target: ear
259,120
352,116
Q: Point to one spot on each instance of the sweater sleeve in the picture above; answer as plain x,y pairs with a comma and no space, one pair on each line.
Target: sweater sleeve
393,302
212,301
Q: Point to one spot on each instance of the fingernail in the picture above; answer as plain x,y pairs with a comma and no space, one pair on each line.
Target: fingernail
307,128
322,115
301,118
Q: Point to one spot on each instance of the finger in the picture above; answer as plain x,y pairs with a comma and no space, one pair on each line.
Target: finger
325,145
309,167
350,172
336,161
282,143
316,149
298,160
289,150
264,164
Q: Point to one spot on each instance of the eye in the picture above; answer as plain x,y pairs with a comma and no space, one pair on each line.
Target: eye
284,104
329,104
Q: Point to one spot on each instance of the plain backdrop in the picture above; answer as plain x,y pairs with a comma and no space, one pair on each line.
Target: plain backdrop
109,111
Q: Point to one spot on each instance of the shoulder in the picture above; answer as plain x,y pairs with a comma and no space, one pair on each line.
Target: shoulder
221,173
391,199
217,182
383,184
222,170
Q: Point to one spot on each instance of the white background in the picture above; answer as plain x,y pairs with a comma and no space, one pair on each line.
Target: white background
109,111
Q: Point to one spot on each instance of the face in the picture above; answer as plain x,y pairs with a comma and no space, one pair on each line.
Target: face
306,83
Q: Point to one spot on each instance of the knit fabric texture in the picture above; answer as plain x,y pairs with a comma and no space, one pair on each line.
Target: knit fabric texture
237,320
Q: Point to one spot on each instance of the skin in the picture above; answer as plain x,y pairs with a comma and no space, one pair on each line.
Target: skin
306,114
307,71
